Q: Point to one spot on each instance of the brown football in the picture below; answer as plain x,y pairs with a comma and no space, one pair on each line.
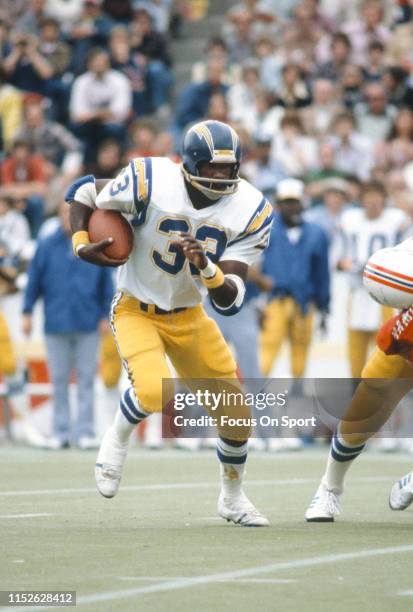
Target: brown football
111,224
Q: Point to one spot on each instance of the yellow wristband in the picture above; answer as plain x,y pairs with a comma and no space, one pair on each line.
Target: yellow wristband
215,281
79,239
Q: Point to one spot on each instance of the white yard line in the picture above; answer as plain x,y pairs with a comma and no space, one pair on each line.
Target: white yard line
19,516
187,582
183,485
405,593
242,580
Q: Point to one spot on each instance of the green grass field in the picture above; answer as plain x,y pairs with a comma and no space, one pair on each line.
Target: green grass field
159,545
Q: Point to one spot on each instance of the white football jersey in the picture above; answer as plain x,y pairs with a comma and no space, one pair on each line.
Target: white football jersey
152,191
363,236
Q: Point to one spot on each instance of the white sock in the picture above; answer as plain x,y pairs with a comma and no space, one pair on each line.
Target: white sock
231,479
340,459
232,467
128,416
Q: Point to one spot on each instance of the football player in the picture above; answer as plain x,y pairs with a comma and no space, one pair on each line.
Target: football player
386,378
197,228
366,230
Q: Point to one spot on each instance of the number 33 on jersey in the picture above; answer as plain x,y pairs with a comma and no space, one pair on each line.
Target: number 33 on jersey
152,189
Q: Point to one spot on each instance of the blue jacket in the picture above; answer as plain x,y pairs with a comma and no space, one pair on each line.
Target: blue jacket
76,294
299,270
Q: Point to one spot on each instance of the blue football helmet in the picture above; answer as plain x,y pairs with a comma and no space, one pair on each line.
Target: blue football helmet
214,142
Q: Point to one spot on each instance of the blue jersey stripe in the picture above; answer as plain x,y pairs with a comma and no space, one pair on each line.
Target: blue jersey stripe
71,191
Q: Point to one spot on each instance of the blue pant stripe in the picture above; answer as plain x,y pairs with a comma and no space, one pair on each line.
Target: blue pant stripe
231,459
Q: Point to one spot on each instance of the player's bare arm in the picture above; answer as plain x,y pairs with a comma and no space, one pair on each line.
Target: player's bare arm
226,293
79,221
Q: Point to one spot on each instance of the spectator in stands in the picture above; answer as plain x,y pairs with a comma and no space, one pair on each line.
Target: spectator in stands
218,108
164,146
51,140
293,92
118,10
133,66
216,50
241,95
326,169
398,150
398,86
25,66
30,21
353,150
66,12
100,103
328,215
270,64
340,56
292,148
143,134
77,298
369,27
152,49
318,116
302,35
11,110
23,177
158,10
241,38
91,30
57,53
263,171
373,69
108,160
262,118
399,48
192,104
375,118
351,84
297,289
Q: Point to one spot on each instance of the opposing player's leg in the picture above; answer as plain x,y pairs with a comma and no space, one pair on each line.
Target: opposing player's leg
143,354
198,350
386,379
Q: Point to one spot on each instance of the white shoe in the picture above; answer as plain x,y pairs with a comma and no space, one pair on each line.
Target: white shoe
401,494
33,436
241,511
324,507
109,464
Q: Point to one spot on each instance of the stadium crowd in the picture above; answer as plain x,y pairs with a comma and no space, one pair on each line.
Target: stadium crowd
319,90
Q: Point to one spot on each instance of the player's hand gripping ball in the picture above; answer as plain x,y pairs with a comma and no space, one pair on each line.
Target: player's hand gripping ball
388,276
111,239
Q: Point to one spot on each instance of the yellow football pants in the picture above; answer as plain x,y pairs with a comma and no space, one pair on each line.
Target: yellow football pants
194,345
110,364
359,343
385,381
284,320
8,363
